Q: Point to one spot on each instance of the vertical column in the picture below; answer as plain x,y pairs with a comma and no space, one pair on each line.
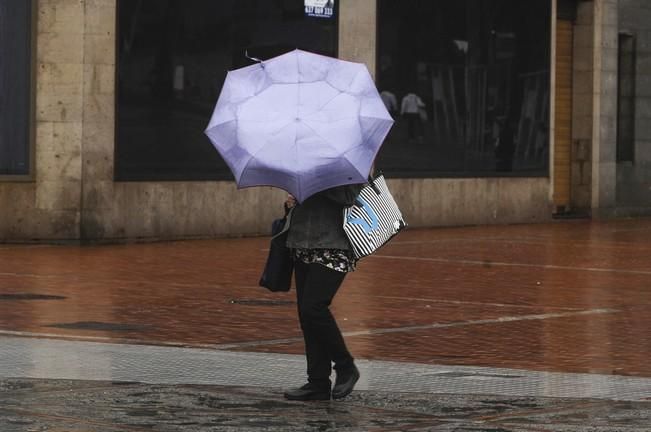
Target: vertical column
552,99
604,113
582,109
59,113
98,118
357,31
357,42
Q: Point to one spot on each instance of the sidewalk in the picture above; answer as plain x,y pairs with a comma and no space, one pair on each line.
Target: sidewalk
517,328
84,406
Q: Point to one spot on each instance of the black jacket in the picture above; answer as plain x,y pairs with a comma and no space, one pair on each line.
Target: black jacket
317,223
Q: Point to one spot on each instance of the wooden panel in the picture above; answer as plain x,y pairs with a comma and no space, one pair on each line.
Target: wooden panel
563,114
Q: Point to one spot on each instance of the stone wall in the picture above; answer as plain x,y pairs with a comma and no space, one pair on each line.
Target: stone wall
75,198
152,210
48,207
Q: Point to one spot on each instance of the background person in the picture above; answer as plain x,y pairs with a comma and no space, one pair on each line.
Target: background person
390,101
410,108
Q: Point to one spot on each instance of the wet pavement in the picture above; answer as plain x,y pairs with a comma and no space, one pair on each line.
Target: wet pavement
82,406
498,328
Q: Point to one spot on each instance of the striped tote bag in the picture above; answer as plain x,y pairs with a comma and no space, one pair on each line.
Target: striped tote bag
374,218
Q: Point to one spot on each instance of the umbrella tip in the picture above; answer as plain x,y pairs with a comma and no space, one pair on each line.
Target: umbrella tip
246,54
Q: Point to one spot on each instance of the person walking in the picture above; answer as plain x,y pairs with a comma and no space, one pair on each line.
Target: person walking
411,107
322,257
390,101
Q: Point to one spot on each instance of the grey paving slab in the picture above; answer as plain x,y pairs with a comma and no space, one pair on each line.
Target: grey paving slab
64,359
73,386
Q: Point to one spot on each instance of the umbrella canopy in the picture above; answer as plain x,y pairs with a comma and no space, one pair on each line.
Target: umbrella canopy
301,122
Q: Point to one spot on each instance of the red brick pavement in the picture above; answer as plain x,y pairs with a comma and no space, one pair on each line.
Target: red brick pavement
571,296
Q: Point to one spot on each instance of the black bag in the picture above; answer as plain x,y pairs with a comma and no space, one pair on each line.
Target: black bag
277,274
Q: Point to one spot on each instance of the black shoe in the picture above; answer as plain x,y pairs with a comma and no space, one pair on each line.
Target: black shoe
309,392
345,382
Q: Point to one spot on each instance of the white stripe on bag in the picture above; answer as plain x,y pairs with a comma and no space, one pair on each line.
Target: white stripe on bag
389,218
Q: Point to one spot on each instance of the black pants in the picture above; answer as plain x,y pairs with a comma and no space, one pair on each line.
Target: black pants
316,286
414,125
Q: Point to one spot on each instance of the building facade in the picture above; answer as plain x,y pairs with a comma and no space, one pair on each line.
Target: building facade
525,110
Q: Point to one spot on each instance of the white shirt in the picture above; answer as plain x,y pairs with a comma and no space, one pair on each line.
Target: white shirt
411,104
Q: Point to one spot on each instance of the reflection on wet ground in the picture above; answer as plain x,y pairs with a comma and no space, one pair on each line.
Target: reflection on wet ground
82,406
570,297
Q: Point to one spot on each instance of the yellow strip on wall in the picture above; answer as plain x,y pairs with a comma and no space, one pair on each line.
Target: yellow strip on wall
563,114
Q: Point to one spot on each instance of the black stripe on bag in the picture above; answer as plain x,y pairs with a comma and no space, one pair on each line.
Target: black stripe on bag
389,219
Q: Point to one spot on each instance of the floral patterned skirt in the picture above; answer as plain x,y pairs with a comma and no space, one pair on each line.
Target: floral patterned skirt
336,259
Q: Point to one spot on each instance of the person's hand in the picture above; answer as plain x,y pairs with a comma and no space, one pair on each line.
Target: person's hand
290,202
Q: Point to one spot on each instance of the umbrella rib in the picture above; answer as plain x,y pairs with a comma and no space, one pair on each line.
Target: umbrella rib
319,135
377,118
352,164
349,83
254,156
338,94
298,89
345,155
319,109
296,159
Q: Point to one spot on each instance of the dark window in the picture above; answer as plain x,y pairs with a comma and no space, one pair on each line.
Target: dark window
15,86
173,59
626,99
479,69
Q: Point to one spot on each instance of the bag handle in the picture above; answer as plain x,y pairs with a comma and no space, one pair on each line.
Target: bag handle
286,224
371,182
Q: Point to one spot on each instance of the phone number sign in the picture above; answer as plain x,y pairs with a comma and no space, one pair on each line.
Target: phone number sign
320,8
